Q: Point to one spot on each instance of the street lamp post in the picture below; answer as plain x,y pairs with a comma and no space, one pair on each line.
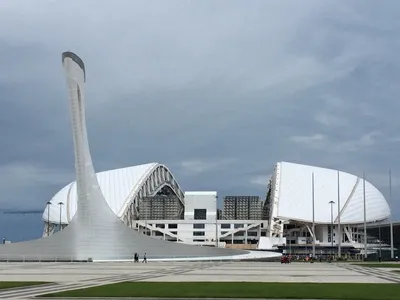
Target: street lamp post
380,243
60,204
313,216
145,221
331,203
391,215
338,217
365,220
216,222
48,218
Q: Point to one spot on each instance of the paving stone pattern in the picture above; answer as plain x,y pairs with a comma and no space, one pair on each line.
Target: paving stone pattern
69,276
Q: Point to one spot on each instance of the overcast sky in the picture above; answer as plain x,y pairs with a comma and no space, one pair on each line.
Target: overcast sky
219,91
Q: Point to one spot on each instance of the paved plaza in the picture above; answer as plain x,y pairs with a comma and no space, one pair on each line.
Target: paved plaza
68,276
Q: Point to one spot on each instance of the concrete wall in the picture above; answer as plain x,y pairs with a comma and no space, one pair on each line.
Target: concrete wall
185,229
201,200
325,229
319,233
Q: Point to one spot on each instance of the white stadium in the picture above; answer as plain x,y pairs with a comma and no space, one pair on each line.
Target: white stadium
147,198
122,189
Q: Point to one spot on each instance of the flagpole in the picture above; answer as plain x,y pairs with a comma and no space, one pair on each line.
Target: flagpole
391,215
216,223
338,218
365,219
313,216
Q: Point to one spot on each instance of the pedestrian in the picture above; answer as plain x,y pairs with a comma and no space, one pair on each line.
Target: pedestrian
144,259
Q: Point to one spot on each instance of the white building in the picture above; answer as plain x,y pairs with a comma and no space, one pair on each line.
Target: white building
338,198
285,221
201,227
124,188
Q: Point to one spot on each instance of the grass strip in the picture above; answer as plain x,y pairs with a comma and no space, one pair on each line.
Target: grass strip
348,291
18,284
380,265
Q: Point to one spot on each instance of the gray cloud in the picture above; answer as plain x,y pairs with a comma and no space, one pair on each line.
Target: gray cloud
217,90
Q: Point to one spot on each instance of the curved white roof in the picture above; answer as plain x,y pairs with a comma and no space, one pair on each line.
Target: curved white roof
119,186
294,192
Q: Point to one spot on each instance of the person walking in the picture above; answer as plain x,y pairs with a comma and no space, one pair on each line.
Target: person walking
144,259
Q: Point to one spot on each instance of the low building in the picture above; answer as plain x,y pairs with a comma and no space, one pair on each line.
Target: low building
201,226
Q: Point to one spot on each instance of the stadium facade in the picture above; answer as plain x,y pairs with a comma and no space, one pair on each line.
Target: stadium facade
300,194
148,199
123,188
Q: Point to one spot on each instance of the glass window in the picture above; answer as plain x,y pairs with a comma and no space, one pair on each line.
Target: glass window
173,226
198,233
199,226
225,226
200,214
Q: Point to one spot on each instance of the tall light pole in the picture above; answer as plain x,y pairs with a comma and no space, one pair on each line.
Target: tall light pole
147,208
391,215
313,215
60,204
338,217
48,218
380,243
216,222
331,203
365,219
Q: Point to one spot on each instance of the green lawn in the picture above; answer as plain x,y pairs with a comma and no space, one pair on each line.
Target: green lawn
17,284
379,265
348,291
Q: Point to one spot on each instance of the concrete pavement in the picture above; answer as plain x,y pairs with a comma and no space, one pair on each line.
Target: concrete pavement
68,276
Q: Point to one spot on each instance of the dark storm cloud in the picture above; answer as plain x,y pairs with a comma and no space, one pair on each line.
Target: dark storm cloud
217,90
